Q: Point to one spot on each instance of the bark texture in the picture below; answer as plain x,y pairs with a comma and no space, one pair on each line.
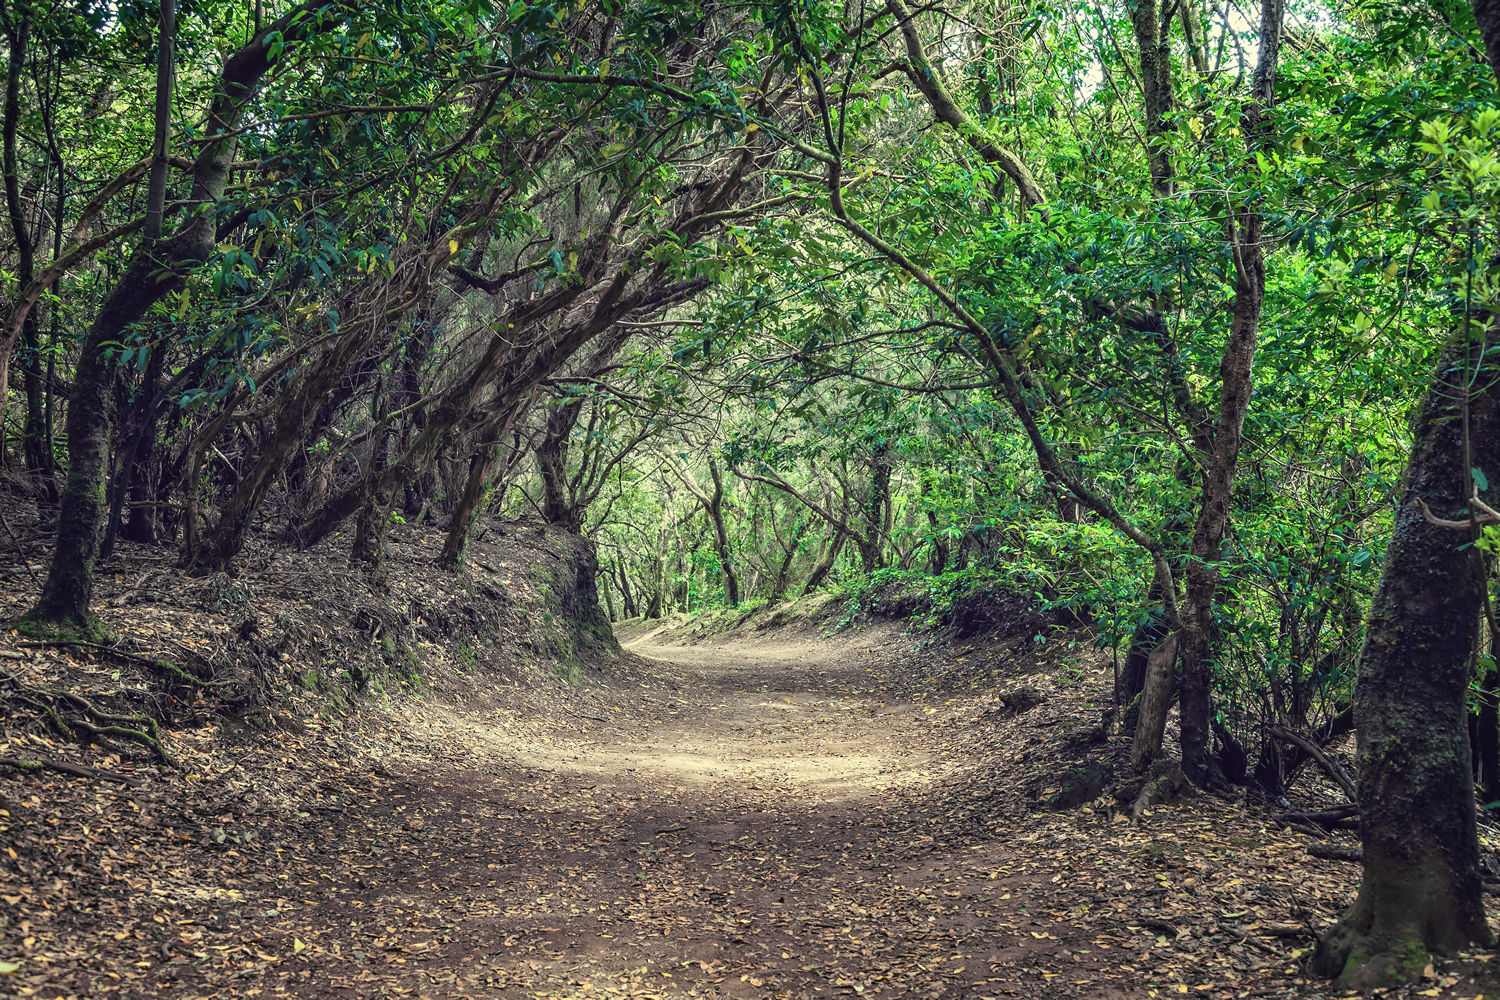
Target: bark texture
1154,45
1156,699
37,454
559,505
1422,891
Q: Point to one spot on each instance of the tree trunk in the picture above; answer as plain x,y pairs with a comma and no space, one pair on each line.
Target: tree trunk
1146,637
722,546
140,430
609,596
467,508
215,552
657,603
1487,13
940,554
784,571
1154,45
141,523
1156,700
35,451
821,571
367,549
1277,764
63,609
1487,728
559,505
877,501
1421,892
713,507
1236,380
626,597
1195,642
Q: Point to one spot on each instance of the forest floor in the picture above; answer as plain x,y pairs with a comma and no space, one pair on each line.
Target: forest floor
785,814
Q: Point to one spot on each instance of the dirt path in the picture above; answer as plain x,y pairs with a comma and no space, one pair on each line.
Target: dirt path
740,831
746,821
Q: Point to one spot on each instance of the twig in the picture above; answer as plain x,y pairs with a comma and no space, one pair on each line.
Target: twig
1336,852
1487,516
124,598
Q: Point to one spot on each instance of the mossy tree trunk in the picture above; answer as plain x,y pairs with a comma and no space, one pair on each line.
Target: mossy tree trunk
1422,892
136,440
1154,49
367,549
466,511
559,501
825,565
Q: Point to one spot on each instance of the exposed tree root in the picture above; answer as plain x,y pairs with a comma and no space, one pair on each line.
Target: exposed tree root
1336,852
1320,821
1164,783
161,666
84,717
63,767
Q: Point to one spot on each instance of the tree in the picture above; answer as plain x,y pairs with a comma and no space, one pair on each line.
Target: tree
1422,892
712,503
155,270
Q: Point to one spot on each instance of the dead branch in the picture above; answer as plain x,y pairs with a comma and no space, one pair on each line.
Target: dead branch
1311,748
1319,822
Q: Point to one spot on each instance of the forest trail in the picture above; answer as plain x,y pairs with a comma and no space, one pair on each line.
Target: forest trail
757,818
747,824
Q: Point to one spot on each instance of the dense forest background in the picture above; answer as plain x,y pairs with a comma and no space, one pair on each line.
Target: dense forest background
1133,314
